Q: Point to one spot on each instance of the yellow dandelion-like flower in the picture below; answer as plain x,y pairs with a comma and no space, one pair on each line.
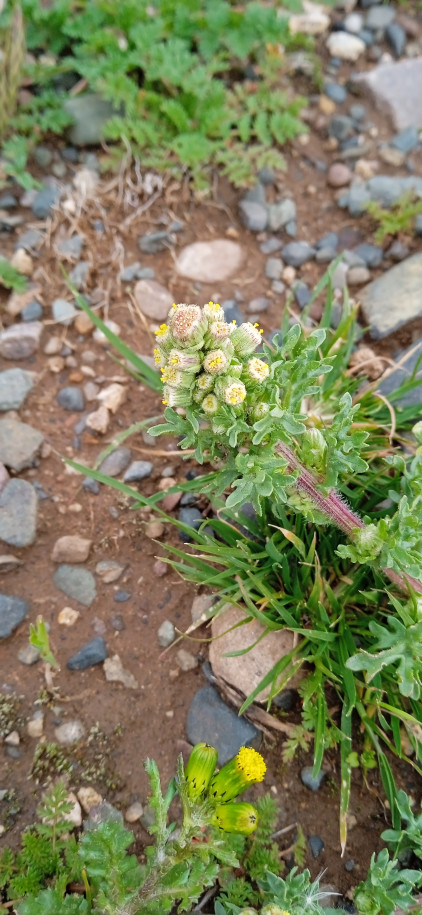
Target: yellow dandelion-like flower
245,769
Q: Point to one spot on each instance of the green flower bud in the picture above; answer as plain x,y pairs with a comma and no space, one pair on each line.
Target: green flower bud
218,333
260,410
368,542
246,338
210,404
176,397
273,909
234,392
200,769
257,370
160,357
248,911
214,312
245,769
313,449
188,325
184,361
235,368
204,383
175,379
417,432
241,818
164,337
216,362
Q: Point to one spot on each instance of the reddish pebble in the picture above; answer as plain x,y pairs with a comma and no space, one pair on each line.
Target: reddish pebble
339,175
171,500
160,568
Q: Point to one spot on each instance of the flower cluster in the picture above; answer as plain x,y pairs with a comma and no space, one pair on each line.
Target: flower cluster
221,788
207,363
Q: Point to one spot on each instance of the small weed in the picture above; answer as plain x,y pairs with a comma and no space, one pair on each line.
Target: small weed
400,217
10,717
10,278
49,761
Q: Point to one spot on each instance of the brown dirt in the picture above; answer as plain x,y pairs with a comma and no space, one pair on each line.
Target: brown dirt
150,721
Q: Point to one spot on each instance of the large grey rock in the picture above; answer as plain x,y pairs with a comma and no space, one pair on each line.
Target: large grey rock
77,583
14,386
407,361
394,299
12,611
20,340
153,299
396,89
89,113
210,720
18,513
210,261
19,444
383,189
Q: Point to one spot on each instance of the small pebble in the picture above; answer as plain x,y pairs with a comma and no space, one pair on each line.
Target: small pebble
316,845
28,655
121,597
88,798
68,616
160,568
185,660
134,812
310,781
154,529
166,634
72,399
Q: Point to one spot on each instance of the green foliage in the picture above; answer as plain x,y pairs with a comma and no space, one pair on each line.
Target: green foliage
296,894
409,835
10,278
256,855
175,74
400,217
386,888
39,638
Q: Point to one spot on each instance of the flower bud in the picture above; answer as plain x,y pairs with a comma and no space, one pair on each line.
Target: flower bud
210,404
241,818
234,392
184,361
188,325
216,362
218,333
260,410
160,358
245,769
273,909
164,338
204,383
200,769
246,338
257,370
417,432
368,542
176,379
313,449
213,312
176,397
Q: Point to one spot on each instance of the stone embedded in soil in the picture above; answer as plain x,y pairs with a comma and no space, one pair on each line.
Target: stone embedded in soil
210,720
339,175
280,213
134,812
297,253
138,470
35,726
113,396
89,113
153,242
14,386
109,570
244,677
345,46
254,215
116,462
18,513
19,341
357,276
394,299
210,261
44,201
68,616
32,311
63,312
406,140
379,17
395,90
408,360
77,583
166,634
13,610
316,845
121,597
99,420
114,670
69,732
395,36
192,517
311,782
201,604
71,398
19,444
186,660
154,529
93,652
9,563
372,255
4,477
71,548
153,299
89,798
71,247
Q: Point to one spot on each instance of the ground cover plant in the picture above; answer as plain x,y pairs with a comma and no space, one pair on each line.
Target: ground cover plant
194,84
399,218
307,452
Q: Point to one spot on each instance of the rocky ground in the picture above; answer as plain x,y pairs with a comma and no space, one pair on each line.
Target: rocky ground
72,550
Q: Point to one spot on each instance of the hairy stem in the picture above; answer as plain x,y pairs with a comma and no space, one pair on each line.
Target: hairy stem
337,511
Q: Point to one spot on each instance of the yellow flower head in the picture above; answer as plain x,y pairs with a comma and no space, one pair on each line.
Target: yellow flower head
162,330
245,769
257,369
234,393
215,362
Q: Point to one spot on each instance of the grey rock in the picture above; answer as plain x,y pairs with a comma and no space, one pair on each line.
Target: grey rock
44,201
153,242
395,89
302,294
32,312
297,253
138,470
256,306
291,228
63,312
418,224
257,194
192,517
325,255
14,386
71,398
408,359
349,865
340,127
31,240
379,17
70,154
77,583
91,485
232,311
19,444
13,610
153,299
89,113
188,498
353,23
310,781
43,156
280,213
71,247
395,298
316,845
19,341
397,251
368,39
79,274
335,92
356,199
352,259
329,240
357,276
285,700
28,655
210,720
274,268
93,652
166,634
8,202
254,215
130,273
267,176
278,287
69,732
210,261
116,462
18,513
396,38
357,112
271,245
406,140
121,597
371,255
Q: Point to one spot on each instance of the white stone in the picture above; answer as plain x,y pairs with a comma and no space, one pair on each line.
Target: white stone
186,660
134,812
12,739
99,420
345,46
23,262
100,337
68,616
75,814
200,606
153,299
314,20
86,182
88,797
113,396
35,727
71,548
395,89
114,670
70,732
210,261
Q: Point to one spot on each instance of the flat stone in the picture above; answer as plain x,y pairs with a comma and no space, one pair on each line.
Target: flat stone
116,462
93,652
153,242
79,274
406,140
69,732
408,360
310,781
19,444
19,341
9,563
99,420
395,36
335,91
297,253
210,261
91,799
13,610
280,213
372,255
138,470
113,396
14,386
379,17
31,240
260,659
109,570
28,655
394,299
153,299
77,583
44,201
134,812
71,548
89,113
357,276
63,312
114,671
339,175
316,845
192,517
18,513
210,720
201,606
32,311
166,634
71,247
274,268
395,90
254,215
345,46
